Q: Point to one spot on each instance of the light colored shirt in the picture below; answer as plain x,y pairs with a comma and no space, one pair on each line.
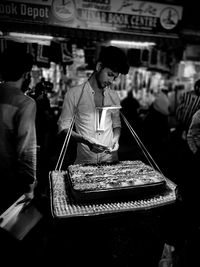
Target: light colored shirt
161,103
86,124
193,136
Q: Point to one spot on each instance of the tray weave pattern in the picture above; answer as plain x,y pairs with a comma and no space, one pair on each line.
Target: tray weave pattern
63,207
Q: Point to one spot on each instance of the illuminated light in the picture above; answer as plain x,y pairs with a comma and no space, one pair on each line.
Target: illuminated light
30,36
132,44
189,69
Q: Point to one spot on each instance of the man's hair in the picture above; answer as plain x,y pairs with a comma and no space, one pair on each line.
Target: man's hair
197,87
114,58
14,63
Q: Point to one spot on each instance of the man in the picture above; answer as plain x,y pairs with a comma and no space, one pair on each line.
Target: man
189,104
193,136
17,129
88,102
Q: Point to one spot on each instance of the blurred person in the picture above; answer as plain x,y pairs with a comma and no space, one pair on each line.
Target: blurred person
193,159
17,129
161,102
181,157
174,99
45,125
189,103
183,164
193,142
193,135
185,227
130,107
17,145
43,113
95,146
155,128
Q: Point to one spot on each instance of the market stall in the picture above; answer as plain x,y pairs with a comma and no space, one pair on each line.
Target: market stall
64,43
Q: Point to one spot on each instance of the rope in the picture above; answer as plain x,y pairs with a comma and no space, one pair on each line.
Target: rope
141,145
66,141
65,145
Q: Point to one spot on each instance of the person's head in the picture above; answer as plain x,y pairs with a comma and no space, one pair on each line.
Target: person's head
197,87
15,65
111,62
39,89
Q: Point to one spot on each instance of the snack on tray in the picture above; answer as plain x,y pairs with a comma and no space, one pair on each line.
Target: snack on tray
125,174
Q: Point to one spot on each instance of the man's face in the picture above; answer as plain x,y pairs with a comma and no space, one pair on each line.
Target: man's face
105,77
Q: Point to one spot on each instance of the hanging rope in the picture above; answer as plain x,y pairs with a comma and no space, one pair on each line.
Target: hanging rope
65,145
68,135
141,145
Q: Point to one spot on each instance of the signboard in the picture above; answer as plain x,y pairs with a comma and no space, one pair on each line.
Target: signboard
127,16
25,11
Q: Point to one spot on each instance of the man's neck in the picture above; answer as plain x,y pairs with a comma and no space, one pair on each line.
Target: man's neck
93,83
16,84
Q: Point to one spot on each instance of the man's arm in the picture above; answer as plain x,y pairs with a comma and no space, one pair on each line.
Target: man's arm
26,146
116,136
193,136
65,121
116,124
93,146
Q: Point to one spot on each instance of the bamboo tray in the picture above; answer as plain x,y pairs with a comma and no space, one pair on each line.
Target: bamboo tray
62,206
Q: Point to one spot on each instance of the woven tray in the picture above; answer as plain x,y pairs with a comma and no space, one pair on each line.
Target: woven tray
64,207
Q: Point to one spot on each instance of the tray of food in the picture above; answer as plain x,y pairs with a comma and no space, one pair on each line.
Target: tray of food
121,180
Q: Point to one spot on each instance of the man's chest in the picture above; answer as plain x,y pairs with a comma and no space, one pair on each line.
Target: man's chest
99,99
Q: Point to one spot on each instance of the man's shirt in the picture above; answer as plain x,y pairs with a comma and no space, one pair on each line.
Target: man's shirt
82,98
189,104
17,143
193,136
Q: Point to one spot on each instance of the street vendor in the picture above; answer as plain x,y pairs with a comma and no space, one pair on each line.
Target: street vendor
96,109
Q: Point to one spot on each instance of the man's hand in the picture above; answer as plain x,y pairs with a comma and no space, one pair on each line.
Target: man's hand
27,198
115,145
29,195
95,147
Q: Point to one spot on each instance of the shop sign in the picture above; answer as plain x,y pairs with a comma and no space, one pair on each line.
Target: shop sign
37,2
25,11
108,15
127,15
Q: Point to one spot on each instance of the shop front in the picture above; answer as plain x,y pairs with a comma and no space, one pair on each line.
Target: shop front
72,32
